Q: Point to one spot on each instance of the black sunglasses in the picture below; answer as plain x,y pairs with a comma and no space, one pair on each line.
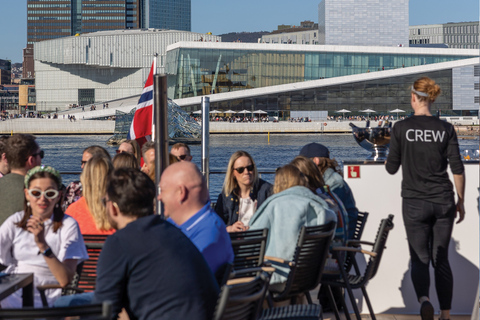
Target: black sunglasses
241,169
83,162
41,153
182,157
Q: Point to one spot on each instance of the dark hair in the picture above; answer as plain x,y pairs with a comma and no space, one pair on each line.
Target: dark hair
19,148
147,146
3,144
133,192
311,172
57,210
125,160
93,150
179,145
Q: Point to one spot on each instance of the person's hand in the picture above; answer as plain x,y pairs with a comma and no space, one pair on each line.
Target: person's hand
36,227
460,211
237,227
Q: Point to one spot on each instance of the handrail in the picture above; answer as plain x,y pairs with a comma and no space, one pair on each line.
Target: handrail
261,171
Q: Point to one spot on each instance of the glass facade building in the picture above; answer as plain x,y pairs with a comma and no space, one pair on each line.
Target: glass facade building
222,68
168,14
201,71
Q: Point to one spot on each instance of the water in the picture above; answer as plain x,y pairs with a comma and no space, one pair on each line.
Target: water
65,152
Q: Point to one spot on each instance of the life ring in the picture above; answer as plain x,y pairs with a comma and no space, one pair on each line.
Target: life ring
325,124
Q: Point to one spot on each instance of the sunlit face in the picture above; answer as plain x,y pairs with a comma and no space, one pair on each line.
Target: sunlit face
244,179
148,159
85,157
126,147
42,207
166,194
181,154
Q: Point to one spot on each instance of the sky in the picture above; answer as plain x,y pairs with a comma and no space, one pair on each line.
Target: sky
224,16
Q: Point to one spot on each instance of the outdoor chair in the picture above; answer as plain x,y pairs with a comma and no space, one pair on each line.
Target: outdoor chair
293,312
92,312
242,298
306,266
249,249
86,272
359,280
357,236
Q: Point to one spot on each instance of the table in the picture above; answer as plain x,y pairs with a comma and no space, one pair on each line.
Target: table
12,282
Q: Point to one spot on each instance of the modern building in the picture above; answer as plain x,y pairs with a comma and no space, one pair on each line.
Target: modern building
5,71
284,78
455,35
306,33
52,19
363,23
101,66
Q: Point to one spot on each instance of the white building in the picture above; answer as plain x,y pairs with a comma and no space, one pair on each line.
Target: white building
100,66
462,35
363,22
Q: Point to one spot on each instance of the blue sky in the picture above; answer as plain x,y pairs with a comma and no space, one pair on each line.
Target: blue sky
224,16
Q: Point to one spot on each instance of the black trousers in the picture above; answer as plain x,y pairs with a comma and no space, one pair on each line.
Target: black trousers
429,229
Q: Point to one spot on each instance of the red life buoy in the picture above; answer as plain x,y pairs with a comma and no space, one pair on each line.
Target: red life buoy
325,124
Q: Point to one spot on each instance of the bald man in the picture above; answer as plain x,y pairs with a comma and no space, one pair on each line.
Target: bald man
184,195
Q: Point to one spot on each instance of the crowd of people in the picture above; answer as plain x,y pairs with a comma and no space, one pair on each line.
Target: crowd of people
153,268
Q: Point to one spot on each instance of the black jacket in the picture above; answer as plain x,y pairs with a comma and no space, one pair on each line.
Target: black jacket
227,206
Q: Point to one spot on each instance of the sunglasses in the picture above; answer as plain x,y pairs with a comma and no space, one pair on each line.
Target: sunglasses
49,194
104,201
83,162
241,169
41,153
182,157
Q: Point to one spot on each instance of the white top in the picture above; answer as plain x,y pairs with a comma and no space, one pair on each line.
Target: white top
19,252
246,210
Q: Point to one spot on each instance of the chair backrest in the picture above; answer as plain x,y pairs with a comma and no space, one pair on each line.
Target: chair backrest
88,277
248,248
309,259
359,227
92,312
242,300
380,241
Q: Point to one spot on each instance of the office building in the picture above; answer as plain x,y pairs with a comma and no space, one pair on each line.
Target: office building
454,35
52,19
5,71
363,22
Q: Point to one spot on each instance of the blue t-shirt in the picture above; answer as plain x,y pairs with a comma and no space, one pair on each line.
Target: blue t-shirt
208,233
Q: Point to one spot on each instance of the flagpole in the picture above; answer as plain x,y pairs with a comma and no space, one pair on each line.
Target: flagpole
154,105
161,131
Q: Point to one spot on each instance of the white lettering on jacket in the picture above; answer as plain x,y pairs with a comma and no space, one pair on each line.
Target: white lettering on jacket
424,135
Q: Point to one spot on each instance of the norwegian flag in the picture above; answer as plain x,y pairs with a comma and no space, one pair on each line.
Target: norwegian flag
141,127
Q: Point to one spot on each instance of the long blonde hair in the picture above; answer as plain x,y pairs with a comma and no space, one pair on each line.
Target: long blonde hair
288,176
94,184
230,182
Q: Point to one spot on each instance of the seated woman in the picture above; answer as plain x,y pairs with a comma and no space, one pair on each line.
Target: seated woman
332,175
41,238
89,210
317,185
290,208
243,192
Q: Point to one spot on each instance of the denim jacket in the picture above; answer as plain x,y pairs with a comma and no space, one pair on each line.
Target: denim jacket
227,206
338,186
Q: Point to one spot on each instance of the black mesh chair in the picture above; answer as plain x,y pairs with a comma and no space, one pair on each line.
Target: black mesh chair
249,250
293,312
306,266
359,279
91,312
242,298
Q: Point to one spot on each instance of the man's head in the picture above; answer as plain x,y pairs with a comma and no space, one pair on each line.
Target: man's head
89,152
183,191
315,151
181,151
130,195
23,152
148,153
4,168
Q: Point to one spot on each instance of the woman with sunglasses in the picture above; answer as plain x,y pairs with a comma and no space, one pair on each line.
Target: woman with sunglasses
89,210
243,192
41,239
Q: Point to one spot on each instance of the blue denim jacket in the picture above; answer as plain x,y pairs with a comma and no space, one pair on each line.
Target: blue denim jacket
338,186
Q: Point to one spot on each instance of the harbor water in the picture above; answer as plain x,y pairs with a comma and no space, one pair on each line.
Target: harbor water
65,152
